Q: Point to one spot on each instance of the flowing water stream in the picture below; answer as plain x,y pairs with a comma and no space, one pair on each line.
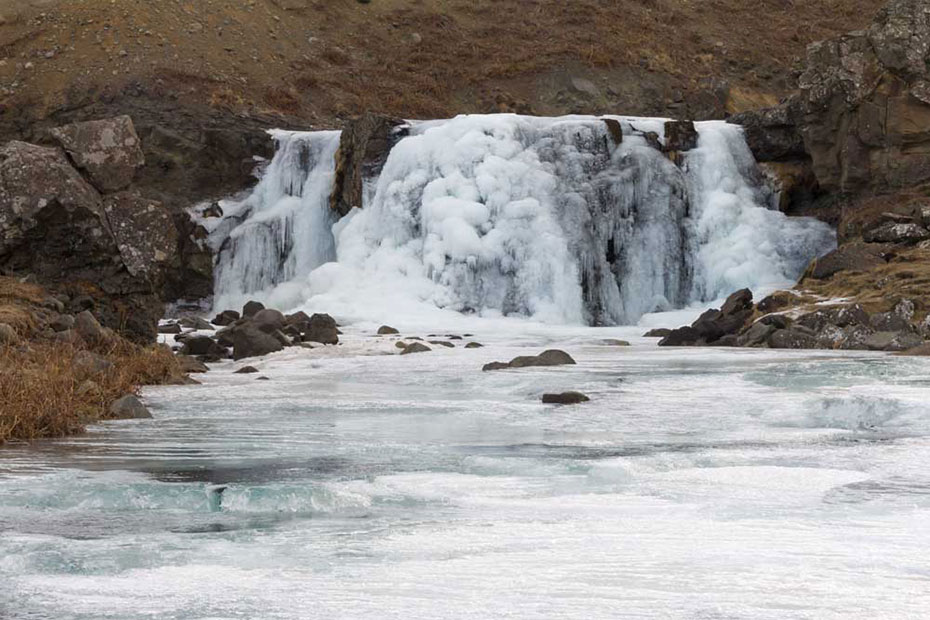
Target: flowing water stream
696,484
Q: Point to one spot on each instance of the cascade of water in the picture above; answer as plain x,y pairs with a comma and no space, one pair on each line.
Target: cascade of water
283,228
504,214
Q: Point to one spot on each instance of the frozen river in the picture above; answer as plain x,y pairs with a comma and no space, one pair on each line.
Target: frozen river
697,483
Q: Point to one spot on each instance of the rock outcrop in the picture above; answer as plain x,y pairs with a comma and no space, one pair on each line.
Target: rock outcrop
108,151
865,99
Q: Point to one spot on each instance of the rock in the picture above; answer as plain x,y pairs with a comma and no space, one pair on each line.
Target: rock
129,408
8,335
190,364
474,345
144,232
442,343
363,150
680,136
612,342
779,321
739,301
792,338
681,337
400,344
195,322
249,341
893,341
68,337
565,398
775,302
263,378
922,350
415,347
386,330
269,320
854,256
660,332
170,328
841,316
62,322
757,334
865,117
495,366
211,358
226,317
774,134
614,130
889,322
86,364
90,330
246,370
891,232
108,151
251,308
203,345
298,318
322,328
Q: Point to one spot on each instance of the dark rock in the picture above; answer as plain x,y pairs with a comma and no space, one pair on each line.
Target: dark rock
680,136
202,345
550,357
774,302
90,330
889,322
297,318
129,408
322,328
792,338
246,370
214,210
922,350
854,256
454,337
107,151
893,341
614,130
262,379
251,308
226,317
269,320
737,302
613,342
681,337
190,364
474,345
774,134
495,366
565,398
363,149
779,321
442,343
757,334
249,341
144,232
727,340
386,330
170,328
415,347
211,358
660,332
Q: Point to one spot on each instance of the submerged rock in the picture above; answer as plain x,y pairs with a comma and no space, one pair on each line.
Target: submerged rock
474,345
415,347
565,398
387,330
246,370
660,332
550,357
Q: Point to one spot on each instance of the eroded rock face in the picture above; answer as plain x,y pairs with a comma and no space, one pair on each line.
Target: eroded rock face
108,151
363,150
144,232
865,97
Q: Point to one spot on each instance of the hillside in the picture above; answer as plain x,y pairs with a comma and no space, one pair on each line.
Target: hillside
315,62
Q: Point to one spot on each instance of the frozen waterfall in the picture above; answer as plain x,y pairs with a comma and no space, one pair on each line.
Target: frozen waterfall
511,215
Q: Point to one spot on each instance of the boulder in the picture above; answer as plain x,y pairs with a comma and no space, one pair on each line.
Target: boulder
613,342
442,343
757,334
893,341
792,338
681,337
8,335
474,345
386,330
550,357
129,407
170,328
298,318
90,330
774,134
144,232
321,328
62,322
415,347
269,320
891,232
251,308
249,341
226,317
246,370
363,149
856,256
202,345
565,398
107,151
495,366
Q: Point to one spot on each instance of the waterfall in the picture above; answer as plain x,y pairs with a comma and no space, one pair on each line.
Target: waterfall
511,215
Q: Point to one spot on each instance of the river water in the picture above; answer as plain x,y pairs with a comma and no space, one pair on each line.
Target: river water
697,483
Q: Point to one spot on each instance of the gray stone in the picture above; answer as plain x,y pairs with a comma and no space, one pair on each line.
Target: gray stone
757,334
251,308
386,330
190,364
891,232
855,256
90,330
248,341
792,338
108,151
269,320
129,407
565,398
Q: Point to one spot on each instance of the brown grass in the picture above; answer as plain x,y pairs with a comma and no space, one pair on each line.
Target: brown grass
41,396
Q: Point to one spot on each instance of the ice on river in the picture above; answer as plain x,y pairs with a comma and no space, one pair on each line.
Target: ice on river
697,484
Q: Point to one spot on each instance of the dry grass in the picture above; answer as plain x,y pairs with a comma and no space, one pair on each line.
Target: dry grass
43,395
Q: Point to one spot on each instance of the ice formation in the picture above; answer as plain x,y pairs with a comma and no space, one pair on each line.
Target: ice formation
515,215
